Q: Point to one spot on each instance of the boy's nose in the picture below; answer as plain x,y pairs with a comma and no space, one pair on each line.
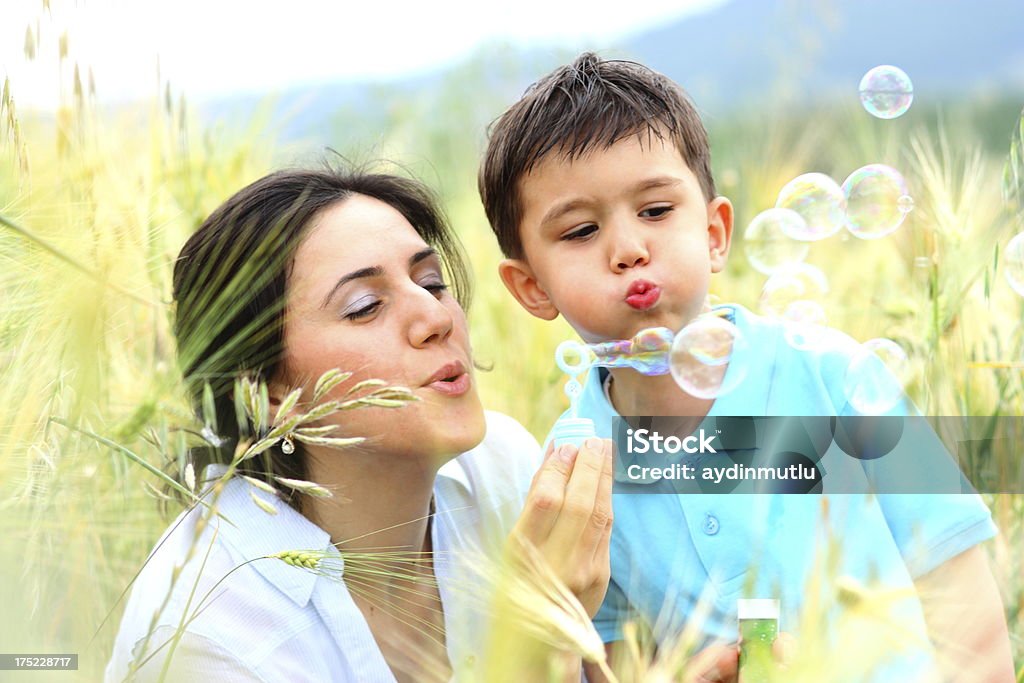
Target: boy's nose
628,253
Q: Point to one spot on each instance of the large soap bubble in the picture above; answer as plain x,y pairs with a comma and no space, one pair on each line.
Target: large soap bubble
707,358
819,201
886,92
795,282
876,377
877,201
767,240
805,325
1013,263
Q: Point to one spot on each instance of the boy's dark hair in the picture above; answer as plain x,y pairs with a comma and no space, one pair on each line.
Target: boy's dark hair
587,104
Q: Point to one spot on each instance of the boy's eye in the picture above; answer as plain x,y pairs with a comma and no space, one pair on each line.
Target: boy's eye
655,211
580,233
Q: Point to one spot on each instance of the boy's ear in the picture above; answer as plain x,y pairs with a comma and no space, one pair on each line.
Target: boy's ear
522,284
719,232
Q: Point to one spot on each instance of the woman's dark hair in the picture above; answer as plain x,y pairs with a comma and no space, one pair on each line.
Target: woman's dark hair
230,282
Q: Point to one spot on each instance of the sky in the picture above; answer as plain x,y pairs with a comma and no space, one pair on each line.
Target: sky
212,47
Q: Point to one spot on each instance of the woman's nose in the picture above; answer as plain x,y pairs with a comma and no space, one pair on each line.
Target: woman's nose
430,320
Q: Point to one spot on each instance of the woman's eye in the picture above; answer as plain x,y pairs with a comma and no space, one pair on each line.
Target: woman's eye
655,211
581,233
435,288
364,311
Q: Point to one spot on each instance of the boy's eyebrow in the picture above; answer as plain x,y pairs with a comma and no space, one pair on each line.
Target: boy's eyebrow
656,182
559,210
374,271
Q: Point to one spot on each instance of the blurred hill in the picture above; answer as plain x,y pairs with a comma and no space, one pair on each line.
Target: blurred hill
741,56
749,50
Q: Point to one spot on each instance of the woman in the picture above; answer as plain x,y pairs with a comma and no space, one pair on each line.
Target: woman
299,273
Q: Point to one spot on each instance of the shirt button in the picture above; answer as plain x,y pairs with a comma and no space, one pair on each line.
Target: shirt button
470,660
711,525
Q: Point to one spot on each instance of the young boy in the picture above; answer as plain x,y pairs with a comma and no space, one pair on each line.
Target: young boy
598,186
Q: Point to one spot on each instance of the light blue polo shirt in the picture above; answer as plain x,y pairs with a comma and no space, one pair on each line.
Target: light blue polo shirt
679,558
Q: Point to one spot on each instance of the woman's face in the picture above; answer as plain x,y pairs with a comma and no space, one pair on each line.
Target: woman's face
366,295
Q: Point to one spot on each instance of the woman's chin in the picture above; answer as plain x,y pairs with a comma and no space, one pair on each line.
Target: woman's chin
468,428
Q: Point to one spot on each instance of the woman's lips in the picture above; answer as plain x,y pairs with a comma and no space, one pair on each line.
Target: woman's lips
455,387
643,294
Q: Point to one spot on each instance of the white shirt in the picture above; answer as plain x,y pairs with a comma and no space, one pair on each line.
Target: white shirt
268,621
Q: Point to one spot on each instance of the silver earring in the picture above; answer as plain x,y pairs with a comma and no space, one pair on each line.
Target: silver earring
287,445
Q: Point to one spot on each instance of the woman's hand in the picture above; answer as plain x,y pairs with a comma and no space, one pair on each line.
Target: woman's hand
568,517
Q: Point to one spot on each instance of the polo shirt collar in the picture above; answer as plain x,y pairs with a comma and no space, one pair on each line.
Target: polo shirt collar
748,398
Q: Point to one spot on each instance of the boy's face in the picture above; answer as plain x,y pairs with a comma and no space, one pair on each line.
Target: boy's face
617,240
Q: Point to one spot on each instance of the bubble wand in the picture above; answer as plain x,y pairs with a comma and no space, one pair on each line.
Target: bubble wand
697,357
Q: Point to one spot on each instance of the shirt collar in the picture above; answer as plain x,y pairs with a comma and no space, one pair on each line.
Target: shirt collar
455,470
257,534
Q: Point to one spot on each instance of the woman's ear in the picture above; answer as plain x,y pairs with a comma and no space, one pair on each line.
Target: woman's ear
522,284
719,232
283,395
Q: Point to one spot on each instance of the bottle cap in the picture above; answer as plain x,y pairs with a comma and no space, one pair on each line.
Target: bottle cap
757,608
573,431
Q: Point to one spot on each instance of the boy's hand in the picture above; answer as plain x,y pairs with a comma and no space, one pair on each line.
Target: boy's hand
568,517
720,663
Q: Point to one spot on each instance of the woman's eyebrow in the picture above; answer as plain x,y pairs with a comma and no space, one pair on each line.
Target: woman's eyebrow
374,271
421,254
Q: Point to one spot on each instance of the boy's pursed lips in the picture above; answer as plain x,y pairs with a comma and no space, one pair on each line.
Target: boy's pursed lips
642,294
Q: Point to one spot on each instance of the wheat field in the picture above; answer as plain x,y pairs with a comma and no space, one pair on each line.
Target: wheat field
96,201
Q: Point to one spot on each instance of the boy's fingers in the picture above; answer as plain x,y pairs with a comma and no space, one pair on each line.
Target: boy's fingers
784,648
576,519
546,497
714,664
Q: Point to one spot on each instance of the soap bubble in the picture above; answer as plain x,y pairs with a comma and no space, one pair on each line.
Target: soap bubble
767,241
819,201
814,281
707,357
781,290
876,376
805,324
1013,263
796,282
886,92
876,201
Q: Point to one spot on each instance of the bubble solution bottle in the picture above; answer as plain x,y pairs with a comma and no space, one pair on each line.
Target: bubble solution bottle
573,430
758,626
